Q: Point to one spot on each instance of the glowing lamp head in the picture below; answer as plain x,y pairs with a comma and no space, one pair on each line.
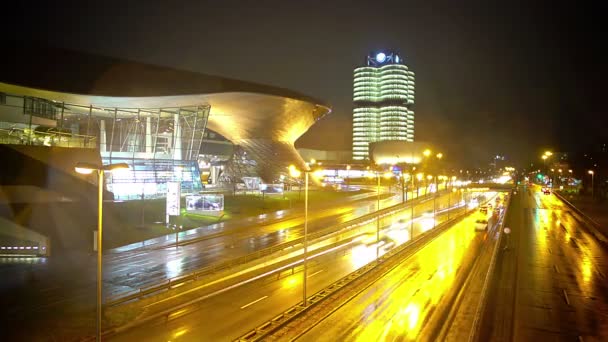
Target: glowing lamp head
293,172
380,57
84,170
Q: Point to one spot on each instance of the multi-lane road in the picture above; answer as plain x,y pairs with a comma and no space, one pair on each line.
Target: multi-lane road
228,314
405,304
551,283
40,288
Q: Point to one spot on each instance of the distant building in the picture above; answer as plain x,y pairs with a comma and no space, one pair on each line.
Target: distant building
383,101
325,156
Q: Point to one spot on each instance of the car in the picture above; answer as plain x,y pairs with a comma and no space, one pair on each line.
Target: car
481,225
546,191
483,209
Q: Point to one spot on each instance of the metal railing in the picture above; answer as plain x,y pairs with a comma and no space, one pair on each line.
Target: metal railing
20,136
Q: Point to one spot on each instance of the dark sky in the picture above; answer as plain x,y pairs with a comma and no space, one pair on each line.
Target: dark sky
491,78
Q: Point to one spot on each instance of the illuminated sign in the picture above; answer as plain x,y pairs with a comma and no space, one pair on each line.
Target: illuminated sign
205,204
173,198
272,188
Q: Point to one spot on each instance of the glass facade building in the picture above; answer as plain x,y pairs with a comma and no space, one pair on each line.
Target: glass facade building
383,102
160,145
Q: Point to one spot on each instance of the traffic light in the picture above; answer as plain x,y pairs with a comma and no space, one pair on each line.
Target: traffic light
540,176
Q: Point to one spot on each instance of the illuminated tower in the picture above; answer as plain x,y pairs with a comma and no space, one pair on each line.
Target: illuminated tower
383,101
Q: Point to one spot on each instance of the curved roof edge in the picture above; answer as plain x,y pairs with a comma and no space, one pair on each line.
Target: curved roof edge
66,71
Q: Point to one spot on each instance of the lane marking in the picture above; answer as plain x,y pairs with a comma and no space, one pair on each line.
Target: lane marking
319,271
255,301
566,296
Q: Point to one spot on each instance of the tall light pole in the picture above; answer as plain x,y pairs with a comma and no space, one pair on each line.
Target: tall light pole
347,176
87,169
294,172
592,173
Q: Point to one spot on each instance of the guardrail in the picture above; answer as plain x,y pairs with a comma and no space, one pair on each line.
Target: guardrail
222,266
475,328
281,320
593,227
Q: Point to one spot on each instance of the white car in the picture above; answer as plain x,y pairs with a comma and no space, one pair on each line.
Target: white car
481,225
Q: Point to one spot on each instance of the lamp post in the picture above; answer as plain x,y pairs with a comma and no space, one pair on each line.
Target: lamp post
592,173
347,176
87,169
387,175
294,172
419,178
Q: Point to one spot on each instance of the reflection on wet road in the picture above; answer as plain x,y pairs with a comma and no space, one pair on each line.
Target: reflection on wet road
552,284
400,304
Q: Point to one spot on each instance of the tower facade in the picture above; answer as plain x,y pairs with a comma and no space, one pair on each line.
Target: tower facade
383,102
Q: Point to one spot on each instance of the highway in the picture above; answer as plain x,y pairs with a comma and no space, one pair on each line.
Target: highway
227,315
403,305
550,285
139,268
36,289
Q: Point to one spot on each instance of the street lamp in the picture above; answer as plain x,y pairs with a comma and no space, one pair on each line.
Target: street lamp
87,169
347,175
294,172
426,152
403,192
419,178
592,173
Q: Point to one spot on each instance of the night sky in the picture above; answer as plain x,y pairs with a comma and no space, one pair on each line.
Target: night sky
507,78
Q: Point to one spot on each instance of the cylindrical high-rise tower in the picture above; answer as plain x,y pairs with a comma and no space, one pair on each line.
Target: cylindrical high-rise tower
383,98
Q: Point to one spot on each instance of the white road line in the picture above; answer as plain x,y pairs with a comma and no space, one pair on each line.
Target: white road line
566,296
319,271
255,301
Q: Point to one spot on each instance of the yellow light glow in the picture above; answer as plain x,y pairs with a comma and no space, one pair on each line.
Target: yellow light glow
426,152
548,153
317,174
429,177
388,175
293,172
84,171
420,176
590,172
439,155
348,167
180,332
312,161
544,157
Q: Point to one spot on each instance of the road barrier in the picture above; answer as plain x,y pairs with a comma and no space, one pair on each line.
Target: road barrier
395,256
483,297
245,259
